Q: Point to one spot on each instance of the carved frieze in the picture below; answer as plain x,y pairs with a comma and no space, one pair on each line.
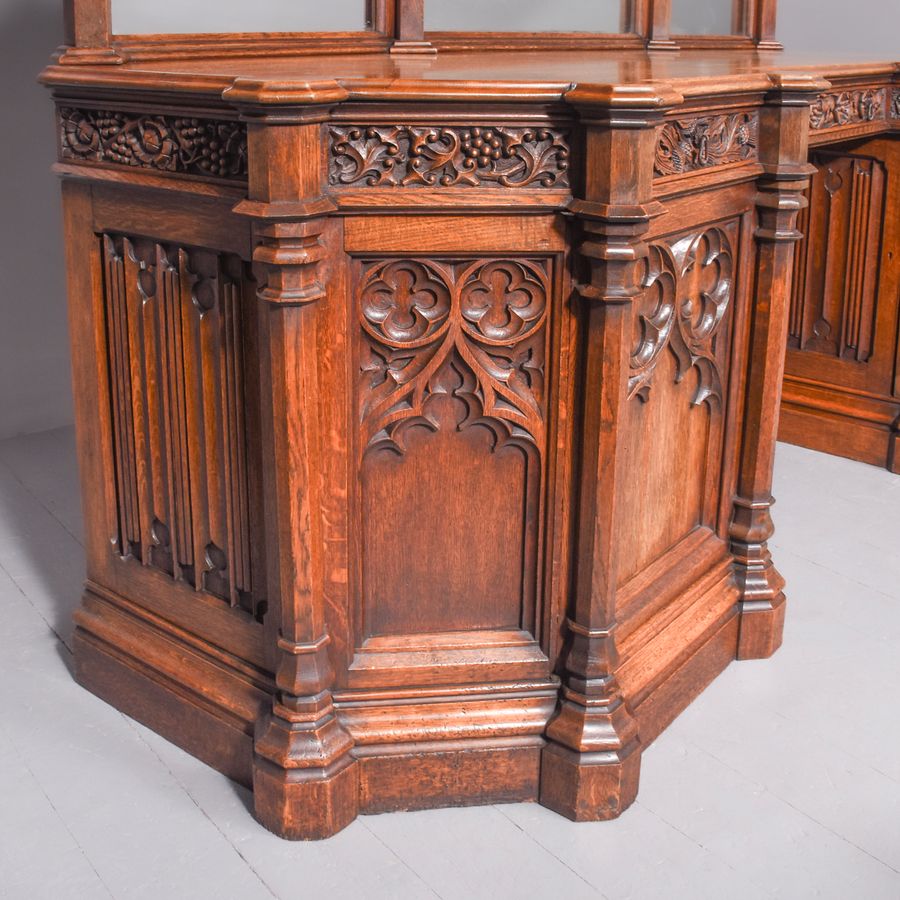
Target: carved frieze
847,108
470,331
179,440
183,145
895,104
434,156
685,145
688,285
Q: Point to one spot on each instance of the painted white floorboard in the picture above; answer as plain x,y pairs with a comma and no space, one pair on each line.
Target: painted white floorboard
781,780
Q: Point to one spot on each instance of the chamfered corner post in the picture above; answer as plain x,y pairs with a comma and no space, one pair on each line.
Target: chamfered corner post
591,764
305,781
783,147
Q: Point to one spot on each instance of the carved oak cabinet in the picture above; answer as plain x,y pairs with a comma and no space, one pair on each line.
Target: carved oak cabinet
842,374
427,404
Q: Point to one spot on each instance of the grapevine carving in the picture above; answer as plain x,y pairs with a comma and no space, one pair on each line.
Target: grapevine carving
469,331
189,146
846,108
687,145
687,286
425,156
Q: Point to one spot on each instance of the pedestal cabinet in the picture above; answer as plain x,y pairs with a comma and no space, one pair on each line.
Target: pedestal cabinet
427,404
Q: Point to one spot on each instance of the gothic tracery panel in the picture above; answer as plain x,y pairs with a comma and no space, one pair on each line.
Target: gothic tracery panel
688,285
484,318
451,361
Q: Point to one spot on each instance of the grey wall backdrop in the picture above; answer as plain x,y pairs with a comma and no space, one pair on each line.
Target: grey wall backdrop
35,392
34,355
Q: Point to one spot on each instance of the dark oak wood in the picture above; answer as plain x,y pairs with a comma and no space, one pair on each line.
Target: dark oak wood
841,391
426,403
400,25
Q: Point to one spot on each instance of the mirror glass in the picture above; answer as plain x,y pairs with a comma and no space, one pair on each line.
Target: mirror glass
595,16
230,16
705,17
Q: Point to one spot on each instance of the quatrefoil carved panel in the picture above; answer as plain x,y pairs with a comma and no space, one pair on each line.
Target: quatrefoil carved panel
471,331
688,285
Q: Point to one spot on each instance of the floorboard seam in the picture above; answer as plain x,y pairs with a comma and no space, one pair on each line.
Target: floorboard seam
797,809
402,861
57,813
35,609
562,862
39,502
134,727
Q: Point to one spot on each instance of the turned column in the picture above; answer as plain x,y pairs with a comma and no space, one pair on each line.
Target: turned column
591,763
305,781
783,144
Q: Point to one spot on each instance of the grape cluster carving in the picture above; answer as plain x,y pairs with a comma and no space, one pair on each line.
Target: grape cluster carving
190,146
429,156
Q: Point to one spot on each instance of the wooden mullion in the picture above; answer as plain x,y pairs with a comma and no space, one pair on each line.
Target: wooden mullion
88,23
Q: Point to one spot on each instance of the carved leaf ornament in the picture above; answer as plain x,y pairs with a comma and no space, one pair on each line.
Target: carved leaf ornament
471,332
846,108
425,156
686,145
189,146
688,286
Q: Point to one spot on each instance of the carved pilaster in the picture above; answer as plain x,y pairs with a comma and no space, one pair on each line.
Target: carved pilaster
591,764
783,154
305,781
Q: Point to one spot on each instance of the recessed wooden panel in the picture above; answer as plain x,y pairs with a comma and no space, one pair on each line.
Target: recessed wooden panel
176,367
452,412
836,268
673,423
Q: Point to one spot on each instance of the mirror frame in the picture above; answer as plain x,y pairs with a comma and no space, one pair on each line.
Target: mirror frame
398,26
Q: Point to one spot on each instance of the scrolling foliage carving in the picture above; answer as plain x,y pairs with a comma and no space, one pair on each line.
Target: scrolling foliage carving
474,331
847,108
690,144
189,146
688,287
179,434
428,156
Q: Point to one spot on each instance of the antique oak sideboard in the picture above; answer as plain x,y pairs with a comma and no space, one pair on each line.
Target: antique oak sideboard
427,392
842,374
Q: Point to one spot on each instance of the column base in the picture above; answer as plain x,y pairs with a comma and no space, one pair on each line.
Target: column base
761,628
587,787
305,804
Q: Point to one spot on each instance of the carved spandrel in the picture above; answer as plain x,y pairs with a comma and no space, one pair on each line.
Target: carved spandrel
839,108
485,320
170,144
411,156
179,435
688,284
686,145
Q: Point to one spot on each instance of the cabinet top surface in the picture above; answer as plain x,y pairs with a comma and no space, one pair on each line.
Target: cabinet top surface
470,76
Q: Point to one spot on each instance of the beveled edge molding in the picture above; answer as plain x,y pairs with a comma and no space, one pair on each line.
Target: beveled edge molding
836,109
705,142
439,156
179,145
